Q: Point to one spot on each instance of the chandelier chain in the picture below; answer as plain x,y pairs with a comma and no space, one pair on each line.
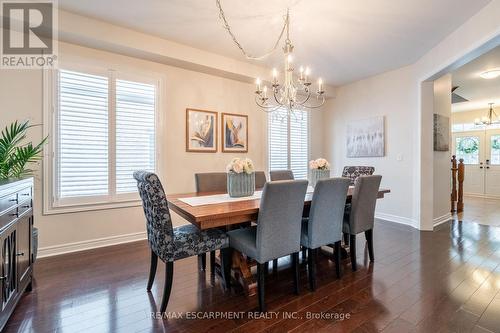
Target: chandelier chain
226,26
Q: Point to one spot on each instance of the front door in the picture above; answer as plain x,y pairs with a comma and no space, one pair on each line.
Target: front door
470,147
492,164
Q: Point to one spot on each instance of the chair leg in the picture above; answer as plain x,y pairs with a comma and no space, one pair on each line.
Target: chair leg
202,261
169,275
226,264
346,239
311,263
338,258
266,268
352,252
275,265
212,262
369,241
304,254
261,287
152,270
296,277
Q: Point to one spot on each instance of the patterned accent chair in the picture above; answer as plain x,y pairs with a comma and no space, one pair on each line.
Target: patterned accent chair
353,172
168,243
360,215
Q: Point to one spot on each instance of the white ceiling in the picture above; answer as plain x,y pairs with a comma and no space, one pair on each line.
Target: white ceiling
477,90
343,41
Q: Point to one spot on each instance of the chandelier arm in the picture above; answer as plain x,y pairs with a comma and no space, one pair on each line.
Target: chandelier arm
302,103
227,27
323,100
266,107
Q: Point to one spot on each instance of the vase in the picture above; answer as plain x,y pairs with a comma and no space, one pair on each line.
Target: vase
240,184
317,174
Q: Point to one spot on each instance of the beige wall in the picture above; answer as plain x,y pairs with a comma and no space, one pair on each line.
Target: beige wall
441,163
21,98
468,116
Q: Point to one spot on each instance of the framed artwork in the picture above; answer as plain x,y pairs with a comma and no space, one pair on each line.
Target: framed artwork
366,138
441,133
234,133
201,131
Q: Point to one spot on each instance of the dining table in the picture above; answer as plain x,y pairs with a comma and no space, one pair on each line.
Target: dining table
208,210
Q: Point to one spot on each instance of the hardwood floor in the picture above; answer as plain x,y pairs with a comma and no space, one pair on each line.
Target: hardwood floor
481,210
442,281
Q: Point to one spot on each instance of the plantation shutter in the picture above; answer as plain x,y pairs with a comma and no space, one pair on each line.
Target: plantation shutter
278,140
299,144
83,135
288,142
135,132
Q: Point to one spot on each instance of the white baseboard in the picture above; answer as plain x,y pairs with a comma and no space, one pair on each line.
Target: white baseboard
90,244
483,196
442,219
397,219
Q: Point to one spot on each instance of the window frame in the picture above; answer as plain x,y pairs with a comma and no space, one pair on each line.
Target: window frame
52,204
268,157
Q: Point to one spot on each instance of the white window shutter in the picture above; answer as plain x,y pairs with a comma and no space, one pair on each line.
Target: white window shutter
135,132
82,150
278,140
299,144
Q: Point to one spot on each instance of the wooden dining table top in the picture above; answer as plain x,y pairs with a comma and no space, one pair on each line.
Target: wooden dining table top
228,213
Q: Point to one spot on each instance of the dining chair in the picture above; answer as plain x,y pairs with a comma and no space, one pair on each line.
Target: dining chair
210,182
260,179
168,243
281,175
277,232
360,215
324,225
353,172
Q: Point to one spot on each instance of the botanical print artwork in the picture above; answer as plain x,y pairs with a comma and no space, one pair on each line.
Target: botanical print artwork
441,133
365,138
201,130
234,133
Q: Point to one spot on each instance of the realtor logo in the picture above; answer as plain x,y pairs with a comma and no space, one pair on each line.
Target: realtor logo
28,30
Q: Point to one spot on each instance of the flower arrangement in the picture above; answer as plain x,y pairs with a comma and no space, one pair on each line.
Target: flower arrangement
319,164
239,165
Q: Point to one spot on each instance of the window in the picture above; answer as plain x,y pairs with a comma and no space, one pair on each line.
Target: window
288,142
103,130
467,147
495,150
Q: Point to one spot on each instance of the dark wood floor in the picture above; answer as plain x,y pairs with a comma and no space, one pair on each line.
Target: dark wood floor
442,281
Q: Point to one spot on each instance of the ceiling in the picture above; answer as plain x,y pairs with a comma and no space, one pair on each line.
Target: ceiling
477,90
343,41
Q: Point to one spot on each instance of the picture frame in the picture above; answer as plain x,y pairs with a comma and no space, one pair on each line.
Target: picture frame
234,133
201,131
366,137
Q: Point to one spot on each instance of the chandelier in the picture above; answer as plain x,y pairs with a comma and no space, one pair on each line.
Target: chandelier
488,120
295,93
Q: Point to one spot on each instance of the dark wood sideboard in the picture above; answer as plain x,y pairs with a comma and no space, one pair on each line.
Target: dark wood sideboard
16,253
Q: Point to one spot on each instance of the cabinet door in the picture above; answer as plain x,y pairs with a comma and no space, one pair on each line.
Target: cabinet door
23,254
8,266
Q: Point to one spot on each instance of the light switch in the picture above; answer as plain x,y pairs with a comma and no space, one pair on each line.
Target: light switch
399,157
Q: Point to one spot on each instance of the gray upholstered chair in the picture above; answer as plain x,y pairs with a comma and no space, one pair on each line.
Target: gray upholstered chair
260,179
360,215
353,172
210,182
281,175
324,225
168,243
277,233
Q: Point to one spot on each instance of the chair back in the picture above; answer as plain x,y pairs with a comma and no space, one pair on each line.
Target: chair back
279,220
211,182
281,175
327,212
363,203
158,220
353,172
260,179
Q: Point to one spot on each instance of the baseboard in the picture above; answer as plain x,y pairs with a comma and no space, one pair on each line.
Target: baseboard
483,196
397,219
442,219
90,244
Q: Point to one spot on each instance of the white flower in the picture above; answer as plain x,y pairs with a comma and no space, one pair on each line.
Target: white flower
319,163
238,167
248,166
313,164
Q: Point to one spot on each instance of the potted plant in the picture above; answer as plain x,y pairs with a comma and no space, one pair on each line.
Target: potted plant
15,154
320,169
240,178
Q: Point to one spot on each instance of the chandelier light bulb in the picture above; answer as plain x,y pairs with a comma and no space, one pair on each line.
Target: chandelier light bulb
290,58
320,85
264,91
257,83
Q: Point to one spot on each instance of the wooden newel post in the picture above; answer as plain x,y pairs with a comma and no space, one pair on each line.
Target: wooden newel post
461,176
454,170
